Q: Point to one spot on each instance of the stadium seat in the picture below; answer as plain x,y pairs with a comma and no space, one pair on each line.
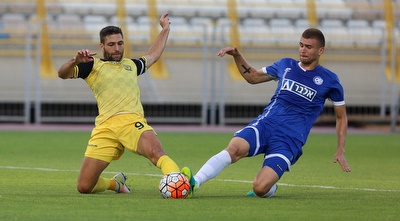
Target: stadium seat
178,20
140,31
211,8
132,28
267,13
358,26
184,8
331,24
378,26
181,32
224,23
26,8
103,9
202,26
364,9
336,33
362,34
254,22
69,26
255,31
14,21
114,20
69,21
143,20
281,25
95,22
301,25
223,26
136,8
200,21
284,31
333,9
50,21
257,9
77,8
289,8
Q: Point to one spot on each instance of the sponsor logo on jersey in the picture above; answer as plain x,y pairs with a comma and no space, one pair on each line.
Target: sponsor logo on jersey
299,89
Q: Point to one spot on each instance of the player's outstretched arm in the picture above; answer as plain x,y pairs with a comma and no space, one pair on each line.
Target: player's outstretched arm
67,70
250,74
157,48
341,131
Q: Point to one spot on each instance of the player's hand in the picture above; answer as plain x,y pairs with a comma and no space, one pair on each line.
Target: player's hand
339,157
228,50
84,56
164,21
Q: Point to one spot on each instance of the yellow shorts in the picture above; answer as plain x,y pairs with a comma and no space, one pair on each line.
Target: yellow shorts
109,139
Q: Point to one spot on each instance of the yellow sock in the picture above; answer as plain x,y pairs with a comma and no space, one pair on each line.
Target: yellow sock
101,185
113,185
167,165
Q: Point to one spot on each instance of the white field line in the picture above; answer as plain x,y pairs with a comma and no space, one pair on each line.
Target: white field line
220,180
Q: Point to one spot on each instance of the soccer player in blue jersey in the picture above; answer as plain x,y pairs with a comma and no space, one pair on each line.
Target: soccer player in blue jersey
282,129
120,124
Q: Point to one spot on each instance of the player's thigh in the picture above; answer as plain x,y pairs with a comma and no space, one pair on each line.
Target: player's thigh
136,134
149,146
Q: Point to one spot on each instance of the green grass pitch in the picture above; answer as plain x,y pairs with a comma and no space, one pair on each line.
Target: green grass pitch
38,173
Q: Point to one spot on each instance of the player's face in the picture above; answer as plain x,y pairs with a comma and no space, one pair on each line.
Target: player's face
113,47
310,50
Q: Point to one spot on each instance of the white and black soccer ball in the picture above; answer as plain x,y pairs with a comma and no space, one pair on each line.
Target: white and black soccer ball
174,186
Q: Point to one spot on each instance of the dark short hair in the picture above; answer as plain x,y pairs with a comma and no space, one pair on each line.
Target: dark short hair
109,30
316,34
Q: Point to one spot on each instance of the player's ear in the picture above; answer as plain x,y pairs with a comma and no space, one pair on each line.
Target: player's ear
101,46
321,50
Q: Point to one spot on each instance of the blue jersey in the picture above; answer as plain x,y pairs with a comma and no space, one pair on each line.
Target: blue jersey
300,97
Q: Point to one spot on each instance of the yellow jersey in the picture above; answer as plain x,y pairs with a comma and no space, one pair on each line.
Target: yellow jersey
114,85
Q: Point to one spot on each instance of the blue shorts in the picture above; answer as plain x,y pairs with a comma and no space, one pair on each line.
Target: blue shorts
280,151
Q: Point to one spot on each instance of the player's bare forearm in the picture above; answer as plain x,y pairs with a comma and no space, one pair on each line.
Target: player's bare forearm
157,48
250,74
341,125
341,132
67,70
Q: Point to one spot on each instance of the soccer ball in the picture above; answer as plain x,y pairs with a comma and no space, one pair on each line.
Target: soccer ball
174,185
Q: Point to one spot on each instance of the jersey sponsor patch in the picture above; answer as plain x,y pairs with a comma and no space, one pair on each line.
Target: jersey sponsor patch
299,89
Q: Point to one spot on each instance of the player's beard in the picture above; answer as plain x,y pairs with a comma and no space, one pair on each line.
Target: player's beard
307,60
113,57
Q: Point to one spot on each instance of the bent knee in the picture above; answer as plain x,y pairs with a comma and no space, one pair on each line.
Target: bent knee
261,190
84,189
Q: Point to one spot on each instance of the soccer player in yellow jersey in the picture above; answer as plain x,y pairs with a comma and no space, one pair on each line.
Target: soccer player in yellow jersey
120,124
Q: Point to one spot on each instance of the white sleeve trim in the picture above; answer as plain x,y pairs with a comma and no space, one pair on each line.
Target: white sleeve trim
264,69
338,103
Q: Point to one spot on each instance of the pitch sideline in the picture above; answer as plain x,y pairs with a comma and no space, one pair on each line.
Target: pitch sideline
220,180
